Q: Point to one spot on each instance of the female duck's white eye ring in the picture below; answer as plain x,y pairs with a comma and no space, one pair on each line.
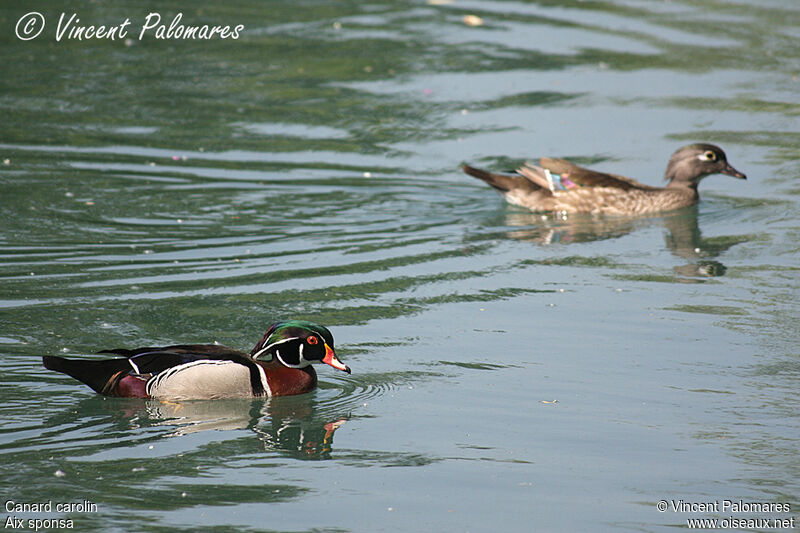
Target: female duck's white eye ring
710,156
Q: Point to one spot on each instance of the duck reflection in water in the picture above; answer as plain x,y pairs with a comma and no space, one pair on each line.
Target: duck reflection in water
683,236
301,427
288,425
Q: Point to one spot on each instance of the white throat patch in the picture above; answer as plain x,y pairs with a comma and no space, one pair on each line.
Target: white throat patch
302,360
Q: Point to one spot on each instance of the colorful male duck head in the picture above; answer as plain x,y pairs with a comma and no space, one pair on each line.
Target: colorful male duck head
297,344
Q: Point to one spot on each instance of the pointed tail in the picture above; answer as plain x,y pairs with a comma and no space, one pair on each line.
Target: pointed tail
501,182
99,375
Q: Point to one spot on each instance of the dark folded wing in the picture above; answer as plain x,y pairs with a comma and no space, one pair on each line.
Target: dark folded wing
152,360
584,177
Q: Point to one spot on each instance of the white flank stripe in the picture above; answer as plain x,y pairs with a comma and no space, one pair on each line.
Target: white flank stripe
264,381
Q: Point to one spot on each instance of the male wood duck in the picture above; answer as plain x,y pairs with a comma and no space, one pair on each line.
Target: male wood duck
279,365
558,185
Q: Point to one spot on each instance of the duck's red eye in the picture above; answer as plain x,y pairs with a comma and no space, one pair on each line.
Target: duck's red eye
313,340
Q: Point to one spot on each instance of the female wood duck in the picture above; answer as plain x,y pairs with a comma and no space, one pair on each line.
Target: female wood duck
558,185
279,365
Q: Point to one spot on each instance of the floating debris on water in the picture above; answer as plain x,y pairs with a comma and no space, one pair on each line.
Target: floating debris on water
472,20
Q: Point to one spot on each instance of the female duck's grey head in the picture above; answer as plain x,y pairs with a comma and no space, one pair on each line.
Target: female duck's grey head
696,161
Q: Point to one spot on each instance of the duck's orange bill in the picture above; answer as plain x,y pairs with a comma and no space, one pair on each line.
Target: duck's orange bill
330,359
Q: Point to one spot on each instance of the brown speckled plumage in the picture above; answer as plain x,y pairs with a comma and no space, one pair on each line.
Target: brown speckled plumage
600,193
